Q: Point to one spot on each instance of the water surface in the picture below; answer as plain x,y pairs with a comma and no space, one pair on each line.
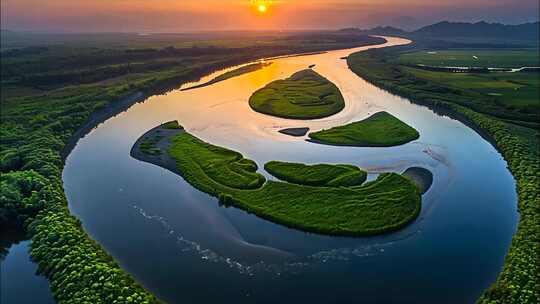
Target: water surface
185,248
19,282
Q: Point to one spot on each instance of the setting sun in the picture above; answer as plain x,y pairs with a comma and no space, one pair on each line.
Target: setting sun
261,8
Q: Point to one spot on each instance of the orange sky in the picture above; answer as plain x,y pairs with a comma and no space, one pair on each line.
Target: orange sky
192,15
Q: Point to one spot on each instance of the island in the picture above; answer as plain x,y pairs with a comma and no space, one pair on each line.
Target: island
230,74
381,129
297,132
304,95
321,198
321,175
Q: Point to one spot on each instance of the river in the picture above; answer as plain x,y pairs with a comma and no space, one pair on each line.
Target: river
182,246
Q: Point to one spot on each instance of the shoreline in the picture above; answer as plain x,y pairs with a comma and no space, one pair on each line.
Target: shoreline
122,104
517,155
165,161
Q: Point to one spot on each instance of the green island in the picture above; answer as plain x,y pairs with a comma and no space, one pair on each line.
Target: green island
319,175
304,95
510,124
328,199
381,129
53,93
234,73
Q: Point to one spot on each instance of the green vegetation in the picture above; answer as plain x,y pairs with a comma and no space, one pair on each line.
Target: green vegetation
517,90
234,73
304,95
172,125
518,282
222,166
53,91
148,145
20,201
488,58
319,175
509,96
379,130
386,204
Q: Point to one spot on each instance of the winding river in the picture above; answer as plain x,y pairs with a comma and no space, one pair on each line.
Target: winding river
185,248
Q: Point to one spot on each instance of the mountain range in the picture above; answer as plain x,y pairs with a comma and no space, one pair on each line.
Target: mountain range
445,29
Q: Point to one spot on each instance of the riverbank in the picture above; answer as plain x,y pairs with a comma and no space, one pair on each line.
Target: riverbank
519,147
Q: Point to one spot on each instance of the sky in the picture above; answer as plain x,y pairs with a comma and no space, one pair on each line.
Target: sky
203,15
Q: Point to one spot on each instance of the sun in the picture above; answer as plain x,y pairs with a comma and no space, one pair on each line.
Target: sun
261,8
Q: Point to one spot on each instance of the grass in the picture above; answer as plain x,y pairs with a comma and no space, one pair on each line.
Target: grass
148,146
304,95
379,130
474,58
222,166
319,175
518,281
448,87
518,89
383,205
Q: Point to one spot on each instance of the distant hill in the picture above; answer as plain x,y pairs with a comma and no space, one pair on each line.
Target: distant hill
485,30
481,34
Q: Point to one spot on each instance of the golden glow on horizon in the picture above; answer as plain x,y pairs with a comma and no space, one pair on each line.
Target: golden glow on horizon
261,6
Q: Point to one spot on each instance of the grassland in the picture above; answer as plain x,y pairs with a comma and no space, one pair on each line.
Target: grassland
487,58
319,175
304,95
379,130
234,73
386,204
223,166
58,88
148,146
477,91
518,282
515,92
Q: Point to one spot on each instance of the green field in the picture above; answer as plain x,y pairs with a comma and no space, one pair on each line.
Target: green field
319,175
518,89
509,96
379,130
304,95
495,58
513,91
388,203
226,167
